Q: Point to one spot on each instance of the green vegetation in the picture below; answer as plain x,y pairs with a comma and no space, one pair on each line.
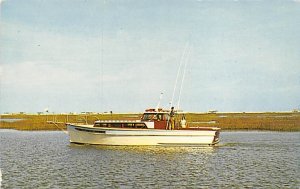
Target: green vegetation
226,121
249,121
45,122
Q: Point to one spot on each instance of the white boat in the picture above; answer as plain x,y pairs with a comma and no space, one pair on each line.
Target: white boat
151,129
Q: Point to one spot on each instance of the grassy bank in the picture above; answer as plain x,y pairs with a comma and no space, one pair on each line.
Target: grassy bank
226,121
44,122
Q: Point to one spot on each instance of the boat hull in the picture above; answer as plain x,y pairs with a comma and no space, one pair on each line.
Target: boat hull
87,134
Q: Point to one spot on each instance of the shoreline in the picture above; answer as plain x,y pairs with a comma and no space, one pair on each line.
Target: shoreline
268,121
223,130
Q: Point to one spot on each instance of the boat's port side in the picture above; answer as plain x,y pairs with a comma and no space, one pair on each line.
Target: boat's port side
132,136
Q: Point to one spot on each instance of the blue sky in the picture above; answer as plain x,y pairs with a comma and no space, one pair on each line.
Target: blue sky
89,55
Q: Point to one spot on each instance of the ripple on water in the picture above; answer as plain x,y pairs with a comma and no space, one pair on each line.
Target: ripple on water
0,178
246,159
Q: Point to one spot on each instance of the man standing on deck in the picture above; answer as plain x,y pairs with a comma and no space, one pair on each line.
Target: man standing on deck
172,119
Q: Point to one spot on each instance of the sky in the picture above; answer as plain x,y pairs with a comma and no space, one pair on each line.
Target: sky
113,55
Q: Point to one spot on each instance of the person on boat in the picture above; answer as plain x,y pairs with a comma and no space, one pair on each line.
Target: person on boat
172,119
183,122
159,117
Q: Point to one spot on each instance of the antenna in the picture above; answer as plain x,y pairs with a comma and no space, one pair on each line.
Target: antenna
158,104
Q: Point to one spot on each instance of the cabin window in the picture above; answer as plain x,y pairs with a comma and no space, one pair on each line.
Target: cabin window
101,125
97,125
116,125
155,116
147,117
128,125
162,117
140,125
121,125
165,116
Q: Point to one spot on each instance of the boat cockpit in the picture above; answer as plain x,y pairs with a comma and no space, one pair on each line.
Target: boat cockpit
155,116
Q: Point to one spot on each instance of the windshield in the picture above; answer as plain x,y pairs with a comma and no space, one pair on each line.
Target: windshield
154,116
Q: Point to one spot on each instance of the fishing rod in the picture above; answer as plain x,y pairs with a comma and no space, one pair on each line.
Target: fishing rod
178,73
184,59
183,76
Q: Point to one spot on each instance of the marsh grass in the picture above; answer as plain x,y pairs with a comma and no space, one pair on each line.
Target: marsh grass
45,122
226,121
249,121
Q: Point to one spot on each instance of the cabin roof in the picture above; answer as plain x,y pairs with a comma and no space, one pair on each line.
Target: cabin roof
153,110
160,110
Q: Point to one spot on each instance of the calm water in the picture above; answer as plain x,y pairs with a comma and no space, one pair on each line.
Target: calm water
243,160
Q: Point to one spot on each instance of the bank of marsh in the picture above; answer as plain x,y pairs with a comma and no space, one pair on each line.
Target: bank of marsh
279,121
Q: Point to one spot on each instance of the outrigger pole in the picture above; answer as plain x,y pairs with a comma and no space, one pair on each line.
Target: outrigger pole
183,76
183,57
178,73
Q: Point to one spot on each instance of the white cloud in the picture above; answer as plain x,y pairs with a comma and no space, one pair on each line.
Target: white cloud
53,66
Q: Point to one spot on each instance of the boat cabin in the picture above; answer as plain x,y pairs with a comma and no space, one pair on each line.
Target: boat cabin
151,119
160,117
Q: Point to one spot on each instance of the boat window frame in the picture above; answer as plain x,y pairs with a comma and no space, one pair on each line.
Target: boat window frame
134,125
158,116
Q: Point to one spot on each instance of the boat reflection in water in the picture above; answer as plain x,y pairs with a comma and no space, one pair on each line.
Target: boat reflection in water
155,150
154,128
